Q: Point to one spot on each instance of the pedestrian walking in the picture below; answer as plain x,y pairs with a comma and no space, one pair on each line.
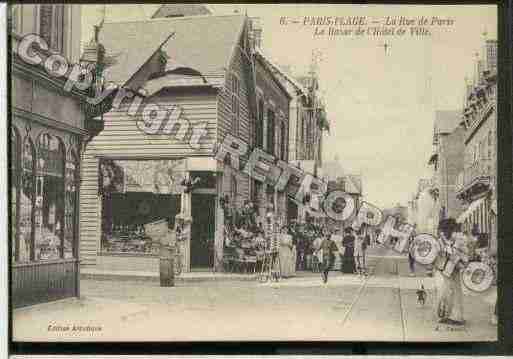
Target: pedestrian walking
348,259
328,249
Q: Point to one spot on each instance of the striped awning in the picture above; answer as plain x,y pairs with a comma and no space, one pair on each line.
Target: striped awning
470,210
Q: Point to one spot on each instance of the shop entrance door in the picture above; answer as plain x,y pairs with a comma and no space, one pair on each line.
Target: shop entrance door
203,230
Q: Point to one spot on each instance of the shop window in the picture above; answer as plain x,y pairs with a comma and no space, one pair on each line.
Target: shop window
26,202
134,194
15,187
49,208
70,209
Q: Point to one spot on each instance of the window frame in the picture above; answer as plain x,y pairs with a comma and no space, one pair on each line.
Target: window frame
60,202
260,124
16,178
271,124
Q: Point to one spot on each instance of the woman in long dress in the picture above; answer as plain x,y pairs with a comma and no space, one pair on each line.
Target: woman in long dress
287,262
448,289
348,258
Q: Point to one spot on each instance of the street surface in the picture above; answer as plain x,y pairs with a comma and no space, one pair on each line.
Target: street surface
382,307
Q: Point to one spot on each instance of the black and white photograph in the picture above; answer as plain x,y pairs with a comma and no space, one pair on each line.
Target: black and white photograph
253,172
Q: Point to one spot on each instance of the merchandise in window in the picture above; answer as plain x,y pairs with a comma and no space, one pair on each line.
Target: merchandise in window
26,198
135,193
70,209
49,209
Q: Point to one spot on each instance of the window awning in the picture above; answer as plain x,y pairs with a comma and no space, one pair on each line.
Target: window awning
470,210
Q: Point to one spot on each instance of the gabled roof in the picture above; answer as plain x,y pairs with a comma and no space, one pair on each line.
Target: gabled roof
446,121
204,43
281,72
273,74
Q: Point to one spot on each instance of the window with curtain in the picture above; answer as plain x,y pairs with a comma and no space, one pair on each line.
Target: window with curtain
51,25
50,193
26,202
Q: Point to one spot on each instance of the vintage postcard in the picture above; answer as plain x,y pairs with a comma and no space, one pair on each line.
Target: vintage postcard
253,172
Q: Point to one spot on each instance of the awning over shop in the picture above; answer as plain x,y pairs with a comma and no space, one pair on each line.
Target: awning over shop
470,210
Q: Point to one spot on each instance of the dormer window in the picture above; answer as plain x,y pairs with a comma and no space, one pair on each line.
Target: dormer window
51,21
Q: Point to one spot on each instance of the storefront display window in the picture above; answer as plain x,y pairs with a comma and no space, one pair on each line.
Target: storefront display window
26,199
135,193
70,209
15,171
49,208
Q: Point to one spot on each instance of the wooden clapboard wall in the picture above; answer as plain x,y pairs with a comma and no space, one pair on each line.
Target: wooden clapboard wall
121,138
239,67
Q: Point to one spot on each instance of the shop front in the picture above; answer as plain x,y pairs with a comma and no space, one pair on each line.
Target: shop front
136,192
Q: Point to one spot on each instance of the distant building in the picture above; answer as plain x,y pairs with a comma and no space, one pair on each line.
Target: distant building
476,187
421,208
447,162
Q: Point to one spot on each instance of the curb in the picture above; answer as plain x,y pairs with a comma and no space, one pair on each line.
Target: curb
156,279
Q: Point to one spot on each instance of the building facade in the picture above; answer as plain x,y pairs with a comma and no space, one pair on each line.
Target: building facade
477,181
421,208
307,126
48,129
204,68
447,162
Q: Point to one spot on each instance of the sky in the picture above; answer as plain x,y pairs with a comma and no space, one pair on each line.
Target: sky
380,104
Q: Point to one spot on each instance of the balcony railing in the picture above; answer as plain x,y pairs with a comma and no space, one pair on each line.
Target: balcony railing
478,173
